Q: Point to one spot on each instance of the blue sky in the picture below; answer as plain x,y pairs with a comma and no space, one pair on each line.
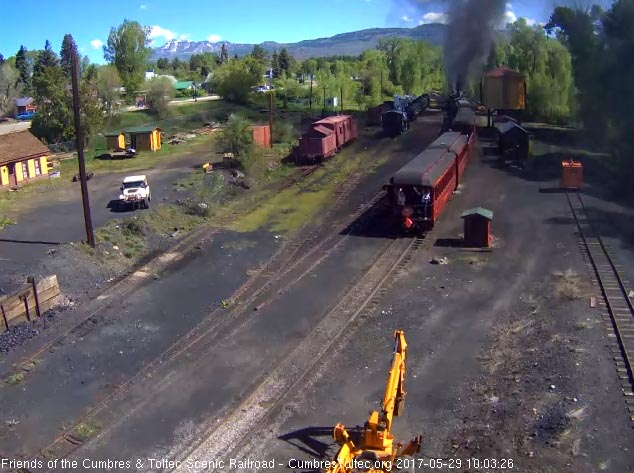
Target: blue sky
238,21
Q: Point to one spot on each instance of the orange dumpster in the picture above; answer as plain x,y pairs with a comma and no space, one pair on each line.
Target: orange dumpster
571,174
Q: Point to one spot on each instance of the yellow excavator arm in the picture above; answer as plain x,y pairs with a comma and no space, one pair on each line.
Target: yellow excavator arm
376,438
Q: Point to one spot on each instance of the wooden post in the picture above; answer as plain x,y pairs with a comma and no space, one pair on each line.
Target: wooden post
25,298
31,280
4,316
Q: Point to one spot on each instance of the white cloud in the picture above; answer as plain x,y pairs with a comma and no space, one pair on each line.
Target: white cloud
96,43
509,17
433,17
213,38
183,36
143,7
157,32
406,18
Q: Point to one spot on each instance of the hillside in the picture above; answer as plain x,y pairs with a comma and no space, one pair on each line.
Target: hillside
342,44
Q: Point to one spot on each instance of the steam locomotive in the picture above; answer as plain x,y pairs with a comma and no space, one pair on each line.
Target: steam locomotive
406,109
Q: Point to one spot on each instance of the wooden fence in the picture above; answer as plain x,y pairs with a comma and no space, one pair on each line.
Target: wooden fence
32,300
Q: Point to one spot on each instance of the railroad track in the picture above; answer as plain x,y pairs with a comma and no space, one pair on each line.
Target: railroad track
291,374
619,312
304,255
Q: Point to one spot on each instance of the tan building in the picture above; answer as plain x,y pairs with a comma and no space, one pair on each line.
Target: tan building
145,138
22,158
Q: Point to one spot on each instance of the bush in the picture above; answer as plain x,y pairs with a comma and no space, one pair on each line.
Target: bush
284,132
237,138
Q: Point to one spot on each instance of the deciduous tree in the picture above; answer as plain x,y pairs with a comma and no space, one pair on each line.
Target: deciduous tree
108,83
127,48
159,95
9,87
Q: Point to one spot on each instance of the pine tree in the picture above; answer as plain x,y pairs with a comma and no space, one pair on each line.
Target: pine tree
224,53
45,58
22,66
275,64
66,55
259,53
1,59
284,61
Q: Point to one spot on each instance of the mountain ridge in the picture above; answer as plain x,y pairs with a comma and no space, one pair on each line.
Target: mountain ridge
343,44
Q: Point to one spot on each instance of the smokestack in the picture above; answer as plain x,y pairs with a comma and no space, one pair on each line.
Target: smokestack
470,32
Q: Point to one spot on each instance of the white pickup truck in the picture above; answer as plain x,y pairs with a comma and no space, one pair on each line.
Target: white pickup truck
135,192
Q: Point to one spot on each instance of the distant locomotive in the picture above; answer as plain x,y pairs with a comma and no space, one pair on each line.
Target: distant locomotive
394,122
406,109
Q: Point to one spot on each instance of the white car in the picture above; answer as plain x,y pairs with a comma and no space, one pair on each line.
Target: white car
135,191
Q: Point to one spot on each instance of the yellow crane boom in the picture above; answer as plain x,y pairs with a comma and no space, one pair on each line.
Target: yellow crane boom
376,440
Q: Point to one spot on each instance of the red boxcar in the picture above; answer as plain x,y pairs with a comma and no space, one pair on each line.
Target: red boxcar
318,143
343,127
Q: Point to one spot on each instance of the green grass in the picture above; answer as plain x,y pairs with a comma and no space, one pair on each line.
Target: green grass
15,378
289,209
144,159
86,430
5,221
129,235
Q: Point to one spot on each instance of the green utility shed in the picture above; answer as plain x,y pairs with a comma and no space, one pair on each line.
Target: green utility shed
477,227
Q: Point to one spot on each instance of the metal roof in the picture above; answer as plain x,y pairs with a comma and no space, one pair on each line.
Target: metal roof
505,127
22,101
478,211
424,169
333,119
142,129
114,133
186,84
445,141
323,130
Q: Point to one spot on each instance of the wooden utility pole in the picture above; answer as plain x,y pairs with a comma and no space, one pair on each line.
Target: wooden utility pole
79,134
271,116
342,98
311,93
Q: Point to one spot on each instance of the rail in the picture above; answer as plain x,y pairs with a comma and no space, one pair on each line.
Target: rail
615,295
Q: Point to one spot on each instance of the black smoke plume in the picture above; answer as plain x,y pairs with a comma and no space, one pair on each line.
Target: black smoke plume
470,31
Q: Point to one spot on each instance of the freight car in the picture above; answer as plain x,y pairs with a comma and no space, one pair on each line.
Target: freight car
394,122
326,137
420,190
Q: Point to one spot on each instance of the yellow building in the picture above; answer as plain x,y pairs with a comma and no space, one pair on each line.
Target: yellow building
22,158
115,140
145,138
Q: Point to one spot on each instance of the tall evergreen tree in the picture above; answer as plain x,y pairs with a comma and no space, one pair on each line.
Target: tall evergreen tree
224,53
22,65
284,61
259,53
1,59
45,59
275,64
66,55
